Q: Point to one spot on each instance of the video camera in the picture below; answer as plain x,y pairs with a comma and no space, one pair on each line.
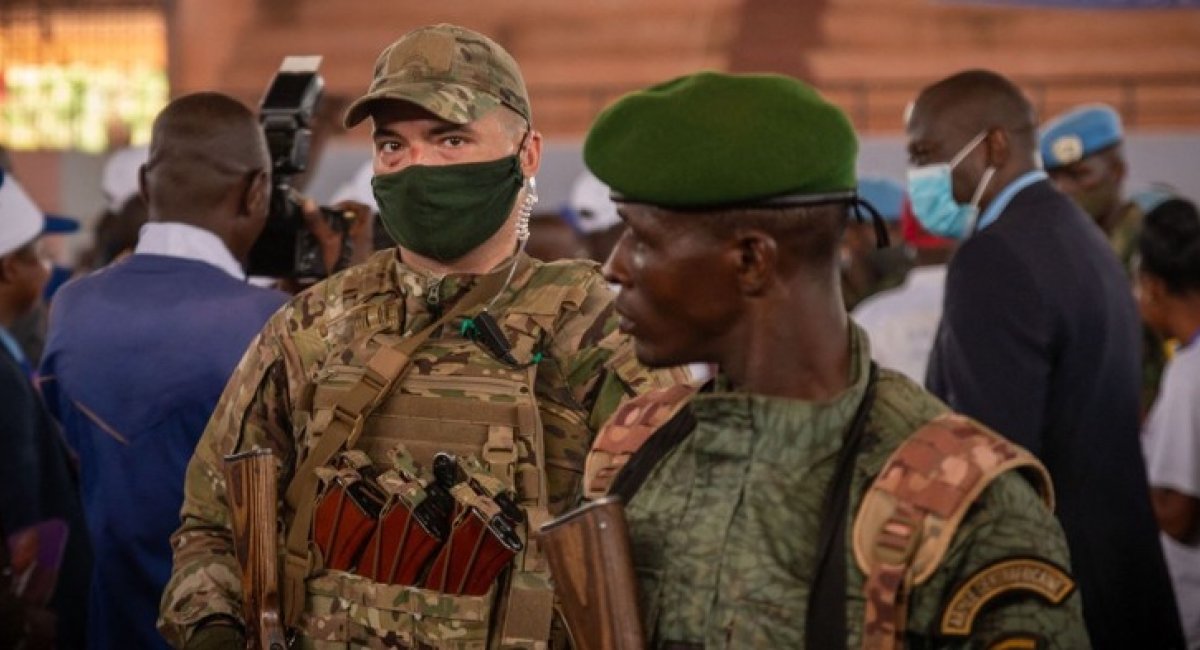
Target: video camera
286,248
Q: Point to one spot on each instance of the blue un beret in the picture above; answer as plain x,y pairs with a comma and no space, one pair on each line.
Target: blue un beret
1079,133
885,194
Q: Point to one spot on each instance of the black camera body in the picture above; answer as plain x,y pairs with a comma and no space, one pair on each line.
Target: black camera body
286,249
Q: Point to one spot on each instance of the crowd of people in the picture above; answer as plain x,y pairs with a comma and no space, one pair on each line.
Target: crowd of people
982,434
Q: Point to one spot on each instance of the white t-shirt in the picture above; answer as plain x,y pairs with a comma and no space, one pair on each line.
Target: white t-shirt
902,322
1171,442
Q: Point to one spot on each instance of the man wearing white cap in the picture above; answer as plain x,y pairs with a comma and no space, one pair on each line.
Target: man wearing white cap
596,214
37,482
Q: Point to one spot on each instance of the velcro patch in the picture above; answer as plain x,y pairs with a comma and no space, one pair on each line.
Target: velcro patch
1027,575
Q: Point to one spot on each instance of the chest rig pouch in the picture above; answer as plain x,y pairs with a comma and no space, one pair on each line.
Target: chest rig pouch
444,396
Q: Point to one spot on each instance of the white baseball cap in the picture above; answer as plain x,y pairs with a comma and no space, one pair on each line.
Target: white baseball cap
591,201
120,177
20,219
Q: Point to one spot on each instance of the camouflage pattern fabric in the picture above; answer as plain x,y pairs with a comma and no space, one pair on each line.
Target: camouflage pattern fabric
629,428
1123,237
454,73
724,530
559,317
1123,240
907,519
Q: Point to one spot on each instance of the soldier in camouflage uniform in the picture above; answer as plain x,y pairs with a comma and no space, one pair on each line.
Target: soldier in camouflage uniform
454,160
741,502
1082,152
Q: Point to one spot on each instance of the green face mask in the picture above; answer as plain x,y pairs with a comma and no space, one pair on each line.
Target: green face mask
445,211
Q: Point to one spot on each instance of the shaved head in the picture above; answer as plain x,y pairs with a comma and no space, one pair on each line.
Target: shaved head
981,120
203,146
977,100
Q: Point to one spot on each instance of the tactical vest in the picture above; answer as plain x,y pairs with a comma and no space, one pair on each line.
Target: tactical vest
453,397
905,522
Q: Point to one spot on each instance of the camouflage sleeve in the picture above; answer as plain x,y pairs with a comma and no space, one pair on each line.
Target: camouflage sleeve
253,411
599,370
1005,582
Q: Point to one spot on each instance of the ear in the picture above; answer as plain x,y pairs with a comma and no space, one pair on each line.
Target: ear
999,148
142,184
531,155
7,268
256,194
755,258
1153,289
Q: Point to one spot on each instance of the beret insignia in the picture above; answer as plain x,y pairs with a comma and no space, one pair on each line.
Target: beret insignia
1067,149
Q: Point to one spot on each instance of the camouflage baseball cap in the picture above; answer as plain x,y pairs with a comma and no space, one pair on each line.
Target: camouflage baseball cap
452,72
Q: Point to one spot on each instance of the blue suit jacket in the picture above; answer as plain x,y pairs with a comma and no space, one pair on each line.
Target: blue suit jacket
1040,339
136,357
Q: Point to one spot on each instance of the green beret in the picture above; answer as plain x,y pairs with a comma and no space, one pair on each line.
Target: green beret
712,139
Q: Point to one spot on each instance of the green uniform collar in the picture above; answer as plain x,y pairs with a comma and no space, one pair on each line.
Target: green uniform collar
727,410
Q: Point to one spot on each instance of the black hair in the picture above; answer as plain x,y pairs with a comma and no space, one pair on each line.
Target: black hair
201,145
1169,245
975,100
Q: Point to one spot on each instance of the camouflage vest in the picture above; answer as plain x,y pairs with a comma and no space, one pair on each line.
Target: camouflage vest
453,397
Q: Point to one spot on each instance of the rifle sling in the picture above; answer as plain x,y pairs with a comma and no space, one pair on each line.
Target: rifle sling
351,408
635,472
825,625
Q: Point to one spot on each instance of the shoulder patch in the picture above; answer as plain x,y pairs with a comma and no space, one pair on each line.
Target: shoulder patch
626,431
1036,576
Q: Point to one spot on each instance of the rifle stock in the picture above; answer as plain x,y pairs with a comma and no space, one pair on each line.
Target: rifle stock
252,491
590,559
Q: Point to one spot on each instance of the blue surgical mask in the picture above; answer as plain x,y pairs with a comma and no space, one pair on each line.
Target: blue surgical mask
932,195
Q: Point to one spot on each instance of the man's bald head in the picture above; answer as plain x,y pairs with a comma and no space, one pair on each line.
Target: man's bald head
203,147
979,121
978,100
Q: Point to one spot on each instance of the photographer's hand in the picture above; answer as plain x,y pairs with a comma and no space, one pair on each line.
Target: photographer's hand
327,238
362,230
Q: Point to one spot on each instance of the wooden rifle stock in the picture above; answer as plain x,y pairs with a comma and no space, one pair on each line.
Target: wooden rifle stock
253,502
590,559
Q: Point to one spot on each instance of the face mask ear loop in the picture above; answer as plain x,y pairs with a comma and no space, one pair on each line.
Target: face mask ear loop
966,150
882,239
983,184
531,198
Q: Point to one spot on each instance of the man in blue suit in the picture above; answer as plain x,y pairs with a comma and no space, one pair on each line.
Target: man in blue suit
139,352
1040,340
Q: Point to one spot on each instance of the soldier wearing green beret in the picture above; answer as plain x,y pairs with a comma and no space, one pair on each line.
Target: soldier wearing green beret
805,497
454,341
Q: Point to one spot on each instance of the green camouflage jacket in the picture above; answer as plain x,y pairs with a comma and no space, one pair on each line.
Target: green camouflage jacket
1123,237
724,529
1123,240
559,318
